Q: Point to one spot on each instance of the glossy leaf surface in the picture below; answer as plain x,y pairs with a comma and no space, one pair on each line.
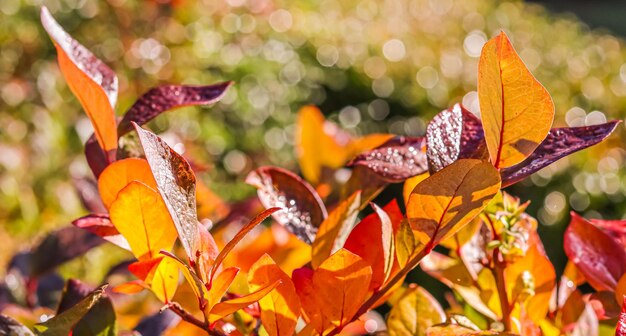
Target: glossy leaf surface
413,313
443,203
176,183
120,173
163,98
454,134
92,82
516,110
395,160
303,209
599,257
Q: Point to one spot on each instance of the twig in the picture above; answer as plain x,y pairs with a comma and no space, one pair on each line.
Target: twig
186,316
498,273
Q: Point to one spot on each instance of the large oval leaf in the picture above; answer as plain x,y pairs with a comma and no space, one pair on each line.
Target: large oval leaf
599,257
516,111
559,143
396,160
92,82
176,183
118,174
413,313
443,203
163,98
303,209
454,134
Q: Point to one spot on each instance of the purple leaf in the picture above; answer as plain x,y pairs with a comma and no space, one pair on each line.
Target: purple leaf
157,324
89,195
177,185
616,229
454,134
96,158
560,142
160,99
304,210
101,226
396,160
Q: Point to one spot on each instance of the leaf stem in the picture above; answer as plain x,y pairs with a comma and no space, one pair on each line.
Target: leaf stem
187,317
498,273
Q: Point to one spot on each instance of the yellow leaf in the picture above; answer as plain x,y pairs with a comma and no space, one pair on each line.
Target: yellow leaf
140,215
410,184
194,281
119,174
406,244
280,309
446,201
164,281
226,308
516,110
335,229
414,313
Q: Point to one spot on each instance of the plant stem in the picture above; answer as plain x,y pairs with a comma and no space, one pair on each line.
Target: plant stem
186,316
498,273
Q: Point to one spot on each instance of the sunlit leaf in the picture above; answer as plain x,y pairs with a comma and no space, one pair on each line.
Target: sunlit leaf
406,243
140,215
192,278
309,300
457,330
395,160
615,229
101,226
63,323
414,313
559,143
220,285
443,203
163,98
120,173
620,330
164,279
280,309
92,82
9,326
304,210
228,307
410,184
177,185
599,257
516,111
454,134
335,229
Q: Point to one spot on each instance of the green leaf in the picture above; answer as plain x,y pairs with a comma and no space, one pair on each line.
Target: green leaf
414,313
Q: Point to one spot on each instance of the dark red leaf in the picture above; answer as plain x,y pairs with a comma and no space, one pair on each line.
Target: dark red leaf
304,210
96,158
89,195
598,257
454,134
177,185
559,143
100,225
614,228
395,160
163,98
621,323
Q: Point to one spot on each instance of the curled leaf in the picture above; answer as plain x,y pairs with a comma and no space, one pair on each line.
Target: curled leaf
303,209
101,226
396,159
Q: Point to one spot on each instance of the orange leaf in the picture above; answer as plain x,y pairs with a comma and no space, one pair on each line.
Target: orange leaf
220,285
341,285
309,299
410,184
449,199
280,309
226,308
118,174
140,215
131,287
164,280
335,229
516,110
91,81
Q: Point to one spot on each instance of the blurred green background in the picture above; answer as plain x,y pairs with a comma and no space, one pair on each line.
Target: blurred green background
372,66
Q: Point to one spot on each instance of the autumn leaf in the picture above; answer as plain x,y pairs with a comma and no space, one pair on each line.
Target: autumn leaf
100,320
621,322
140,215
9,326
225,308
303,209
120,173
102,226
220,285
280,309
414,312
176,183
443,203
335,229
516,111
92,82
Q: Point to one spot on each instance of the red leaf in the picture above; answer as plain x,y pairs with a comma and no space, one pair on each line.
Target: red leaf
616,229
304,210
101,226
599,257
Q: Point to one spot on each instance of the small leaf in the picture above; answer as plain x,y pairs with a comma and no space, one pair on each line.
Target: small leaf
559,143
220,285
395,160
335,229
280,309
163,98
242,233
516,111
163,280
63,323
414,313
228,307
101,226
304,210
599,257
92,82
454,134
11,327
406,243
140,215
448,200
192,278
120,173
177,185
